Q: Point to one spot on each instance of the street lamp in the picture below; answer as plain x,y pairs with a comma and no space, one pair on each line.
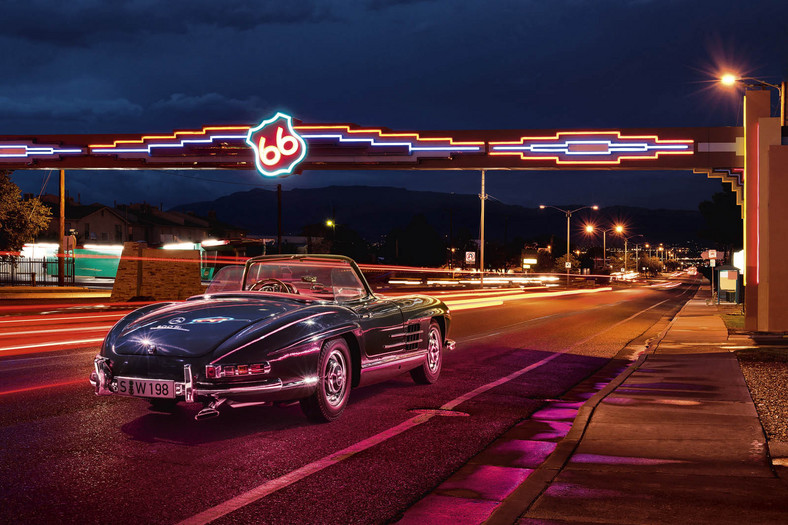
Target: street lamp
333,225
617,228
568,216
729,79
626,240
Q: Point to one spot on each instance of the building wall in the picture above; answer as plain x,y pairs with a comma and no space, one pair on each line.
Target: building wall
158,274
101,226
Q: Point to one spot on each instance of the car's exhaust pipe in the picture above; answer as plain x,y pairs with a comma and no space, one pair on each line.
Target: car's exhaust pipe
209,411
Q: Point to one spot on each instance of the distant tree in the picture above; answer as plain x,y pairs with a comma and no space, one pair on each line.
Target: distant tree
348,242
652,265
724,224
20,221
418,244
544,262
560,264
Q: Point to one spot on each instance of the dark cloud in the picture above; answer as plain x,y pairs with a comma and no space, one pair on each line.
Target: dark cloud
144,66
86,22
377,5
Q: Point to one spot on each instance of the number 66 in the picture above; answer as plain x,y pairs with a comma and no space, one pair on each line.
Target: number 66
285,146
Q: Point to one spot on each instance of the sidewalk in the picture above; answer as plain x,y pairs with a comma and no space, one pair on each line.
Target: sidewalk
674,438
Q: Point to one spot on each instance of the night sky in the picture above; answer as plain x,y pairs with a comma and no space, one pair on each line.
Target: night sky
149,66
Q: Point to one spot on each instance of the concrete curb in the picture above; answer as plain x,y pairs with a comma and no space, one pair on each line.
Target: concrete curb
521,499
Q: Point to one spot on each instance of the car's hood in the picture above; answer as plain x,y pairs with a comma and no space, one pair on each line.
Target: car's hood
195,328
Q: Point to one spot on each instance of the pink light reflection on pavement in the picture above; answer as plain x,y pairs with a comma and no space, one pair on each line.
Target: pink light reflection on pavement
558,429
448,510
555,414
484,482
523,452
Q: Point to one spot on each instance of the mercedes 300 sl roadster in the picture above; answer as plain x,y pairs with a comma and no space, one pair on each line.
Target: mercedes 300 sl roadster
280,329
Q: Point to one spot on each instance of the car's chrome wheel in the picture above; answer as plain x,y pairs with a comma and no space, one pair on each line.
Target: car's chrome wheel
333,383
335,377
429,371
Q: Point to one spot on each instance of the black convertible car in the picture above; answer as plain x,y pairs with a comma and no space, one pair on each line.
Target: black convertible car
278,329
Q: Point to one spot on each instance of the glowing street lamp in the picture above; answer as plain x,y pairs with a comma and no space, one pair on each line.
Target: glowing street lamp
568,216
729,80
590,228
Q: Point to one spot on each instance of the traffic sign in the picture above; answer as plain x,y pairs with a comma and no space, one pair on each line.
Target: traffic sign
712,254
470,257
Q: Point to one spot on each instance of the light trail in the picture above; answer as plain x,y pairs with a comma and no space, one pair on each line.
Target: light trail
58,330
43,318
488,301
41,387
62,345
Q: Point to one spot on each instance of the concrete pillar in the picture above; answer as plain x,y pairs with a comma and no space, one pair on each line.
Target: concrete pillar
771,212
756,107
775,280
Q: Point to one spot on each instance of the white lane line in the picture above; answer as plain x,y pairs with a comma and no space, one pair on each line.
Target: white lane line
54,345
271,486
58,330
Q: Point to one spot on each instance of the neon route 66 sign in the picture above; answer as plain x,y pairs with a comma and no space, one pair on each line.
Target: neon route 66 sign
278,149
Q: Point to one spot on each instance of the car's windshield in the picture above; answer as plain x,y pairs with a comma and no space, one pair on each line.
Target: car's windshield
328,279
227,279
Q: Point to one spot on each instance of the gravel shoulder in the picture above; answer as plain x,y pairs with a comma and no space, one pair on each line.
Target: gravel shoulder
765,369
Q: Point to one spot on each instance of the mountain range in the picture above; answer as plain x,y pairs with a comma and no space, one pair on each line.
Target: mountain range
373,212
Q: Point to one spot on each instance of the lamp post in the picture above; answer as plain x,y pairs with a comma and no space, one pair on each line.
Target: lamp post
626,239
729,79
568,216
590,228
333,225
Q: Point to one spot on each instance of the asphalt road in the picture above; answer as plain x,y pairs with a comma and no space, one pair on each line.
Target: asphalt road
69,456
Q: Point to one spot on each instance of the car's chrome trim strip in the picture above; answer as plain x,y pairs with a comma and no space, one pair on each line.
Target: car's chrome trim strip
393,360
274,386
403,343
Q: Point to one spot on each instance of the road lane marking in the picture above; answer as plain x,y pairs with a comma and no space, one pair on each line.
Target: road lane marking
281,482
271,486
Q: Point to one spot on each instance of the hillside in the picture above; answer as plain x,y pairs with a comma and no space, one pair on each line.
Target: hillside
375,211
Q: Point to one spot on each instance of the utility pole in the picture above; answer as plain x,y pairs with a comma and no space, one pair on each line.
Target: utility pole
61,252
279,217
483,197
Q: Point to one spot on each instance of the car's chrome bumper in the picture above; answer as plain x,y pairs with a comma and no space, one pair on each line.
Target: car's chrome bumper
102,381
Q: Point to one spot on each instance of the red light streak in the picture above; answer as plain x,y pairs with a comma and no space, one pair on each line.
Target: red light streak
62,345
46,318
57,330
41,387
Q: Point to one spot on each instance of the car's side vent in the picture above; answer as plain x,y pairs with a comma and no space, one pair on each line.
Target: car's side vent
413,337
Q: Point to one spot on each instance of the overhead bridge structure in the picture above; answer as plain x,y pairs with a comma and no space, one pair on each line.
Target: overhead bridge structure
752,158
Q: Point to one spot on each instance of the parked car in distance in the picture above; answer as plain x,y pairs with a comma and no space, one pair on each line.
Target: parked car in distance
279,329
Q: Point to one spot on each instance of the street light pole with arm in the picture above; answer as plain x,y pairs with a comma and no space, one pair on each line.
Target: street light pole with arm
568,216
618,229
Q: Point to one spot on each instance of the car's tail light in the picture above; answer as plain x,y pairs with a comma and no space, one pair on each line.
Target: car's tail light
219,371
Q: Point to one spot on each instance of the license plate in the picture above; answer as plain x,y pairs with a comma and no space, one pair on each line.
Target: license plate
130,386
